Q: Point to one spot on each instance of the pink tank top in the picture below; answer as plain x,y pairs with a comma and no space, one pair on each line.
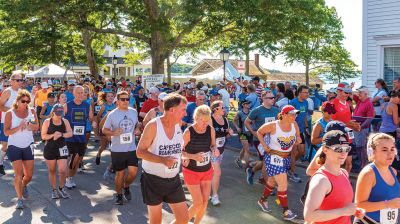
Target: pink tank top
340,195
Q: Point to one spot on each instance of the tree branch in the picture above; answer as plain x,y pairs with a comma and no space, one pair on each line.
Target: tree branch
205,39
138,36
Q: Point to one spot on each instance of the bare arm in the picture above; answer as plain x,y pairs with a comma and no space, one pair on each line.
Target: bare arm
315,139
34,126
145,142
314,166
3,99
150,115
142,114
247,123
236,122
45,127
262,131
68,129
7,125
41,115
103,107
395,114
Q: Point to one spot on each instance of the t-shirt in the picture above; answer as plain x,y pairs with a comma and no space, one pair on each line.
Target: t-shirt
189,113
41,97
241,97
261,114
126,120
283,102
254,100
191,98
303,108
69,96
343,112
242,117
148,105
379,93
140,101
225,97
259,90
363,109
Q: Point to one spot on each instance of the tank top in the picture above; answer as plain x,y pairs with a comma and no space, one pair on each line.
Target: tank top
158,112
97,108
163,146
281,141
381,192
24,138
221,131
77,115
323,124
199,143
341,195
107,109
60,142
9,102
387,121
48,109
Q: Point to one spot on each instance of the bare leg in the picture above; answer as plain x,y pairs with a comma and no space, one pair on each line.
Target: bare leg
180,211
62,171
155,214
17,166
216,178
51,167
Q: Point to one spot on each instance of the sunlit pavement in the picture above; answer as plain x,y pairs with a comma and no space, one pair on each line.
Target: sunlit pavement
93,199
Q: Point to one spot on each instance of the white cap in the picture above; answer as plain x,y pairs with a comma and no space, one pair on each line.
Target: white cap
44,85
204,88
162,96
71,82
154,89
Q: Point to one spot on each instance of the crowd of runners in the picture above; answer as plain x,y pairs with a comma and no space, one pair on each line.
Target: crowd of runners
167,130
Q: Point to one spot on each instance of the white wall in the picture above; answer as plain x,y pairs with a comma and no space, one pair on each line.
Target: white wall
381,28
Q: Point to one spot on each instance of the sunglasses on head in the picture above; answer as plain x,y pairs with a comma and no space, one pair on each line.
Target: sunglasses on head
340,149
25,101
124,99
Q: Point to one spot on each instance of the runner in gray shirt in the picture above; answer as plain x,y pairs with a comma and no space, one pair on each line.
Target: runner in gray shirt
120,125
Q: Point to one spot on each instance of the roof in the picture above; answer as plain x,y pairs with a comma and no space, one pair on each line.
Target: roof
217,63
291,76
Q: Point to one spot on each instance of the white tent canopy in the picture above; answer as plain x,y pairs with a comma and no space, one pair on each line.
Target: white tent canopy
218,74
51,71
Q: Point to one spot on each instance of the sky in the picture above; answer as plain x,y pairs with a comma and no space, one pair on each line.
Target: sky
350,11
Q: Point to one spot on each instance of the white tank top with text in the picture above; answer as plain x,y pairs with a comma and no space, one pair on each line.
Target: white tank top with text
163,146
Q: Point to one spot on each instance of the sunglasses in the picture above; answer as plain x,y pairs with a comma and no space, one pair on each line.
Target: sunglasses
5,86
18,80
340,149
124,99
62,90
25,101
269,98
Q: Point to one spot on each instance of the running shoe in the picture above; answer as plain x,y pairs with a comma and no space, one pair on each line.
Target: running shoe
2,172
69,183
119,200
20,204
289,215
264,205
250,175
54,194
238,163
63,192
25,192
215,200
127,194
294,177
97,160
107,175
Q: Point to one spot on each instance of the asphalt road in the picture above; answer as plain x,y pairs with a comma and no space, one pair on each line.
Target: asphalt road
93,199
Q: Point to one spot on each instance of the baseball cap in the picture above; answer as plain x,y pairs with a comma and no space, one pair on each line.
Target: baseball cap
154,89
71,82
221,83
118,83
335,125
214,92
335,137
344,86
58,110
204,88
44,85
256,78
245,102
331,90
363,89
162,96
289,109
51,95
86,80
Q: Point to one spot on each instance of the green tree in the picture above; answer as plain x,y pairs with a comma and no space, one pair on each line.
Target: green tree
318,31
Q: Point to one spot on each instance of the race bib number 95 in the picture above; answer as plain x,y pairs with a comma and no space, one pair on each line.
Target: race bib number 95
389,216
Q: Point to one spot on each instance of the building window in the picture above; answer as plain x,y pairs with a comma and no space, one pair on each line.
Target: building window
391,61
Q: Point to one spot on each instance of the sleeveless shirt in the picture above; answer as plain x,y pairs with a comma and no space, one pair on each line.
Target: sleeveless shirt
52,144
199,143
21,138
163,146
221,131
281,141
77,115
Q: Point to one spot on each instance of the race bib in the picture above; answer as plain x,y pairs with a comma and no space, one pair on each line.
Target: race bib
245,128
350,133
141,104
97,109
172,169
389,216
63,151
79,130
125,138
206,159
220,142
276,160
269,119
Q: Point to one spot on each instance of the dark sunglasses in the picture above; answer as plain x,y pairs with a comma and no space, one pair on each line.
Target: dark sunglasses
124,99
62,90
18,80
5,86
269,98
25,101
340,149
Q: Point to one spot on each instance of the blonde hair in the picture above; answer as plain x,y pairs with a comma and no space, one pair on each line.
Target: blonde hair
21,93
373,143
202,111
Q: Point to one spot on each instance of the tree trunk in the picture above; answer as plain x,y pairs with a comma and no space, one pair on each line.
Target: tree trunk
158,53
307,64
169,67
247,63
91,60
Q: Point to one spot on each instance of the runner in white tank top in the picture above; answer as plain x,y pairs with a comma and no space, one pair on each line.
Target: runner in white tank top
8,97
160,149
282,135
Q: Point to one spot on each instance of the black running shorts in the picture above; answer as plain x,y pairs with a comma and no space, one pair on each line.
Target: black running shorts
121,160
156,190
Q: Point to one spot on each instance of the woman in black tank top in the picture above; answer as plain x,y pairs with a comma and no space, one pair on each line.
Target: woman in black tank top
222,130
199,141
54,131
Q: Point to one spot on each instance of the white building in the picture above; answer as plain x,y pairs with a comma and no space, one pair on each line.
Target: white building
121,69
381,41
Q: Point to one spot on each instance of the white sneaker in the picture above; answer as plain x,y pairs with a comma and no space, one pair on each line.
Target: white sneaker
215,200
69,183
